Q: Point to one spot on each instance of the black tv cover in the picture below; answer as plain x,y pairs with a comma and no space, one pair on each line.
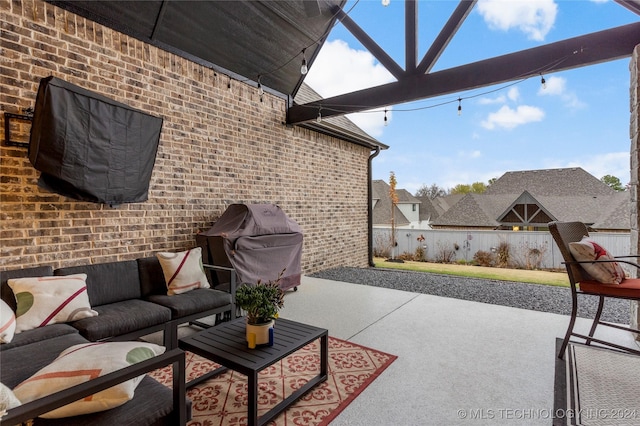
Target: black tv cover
91,148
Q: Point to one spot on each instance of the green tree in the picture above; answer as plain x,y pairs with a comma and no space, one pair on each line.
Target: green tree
432,191
463,188
613,182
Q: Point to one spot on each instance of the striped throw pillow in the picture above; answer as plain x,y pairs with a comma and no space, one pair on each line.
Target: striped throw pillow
183,271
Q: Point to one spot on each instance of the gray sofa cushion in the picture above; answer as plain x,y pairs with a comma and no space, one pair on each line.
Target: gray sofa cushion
192,302
38,334
20,363
6,292
121,318
108,282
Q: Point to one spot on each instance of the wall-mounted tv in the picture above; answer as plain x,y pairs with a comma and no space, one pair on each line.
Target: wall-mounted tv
92,148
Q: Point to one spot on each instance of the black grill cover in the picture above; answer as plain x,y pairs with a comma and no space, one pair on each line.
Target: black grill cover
258,241
91,148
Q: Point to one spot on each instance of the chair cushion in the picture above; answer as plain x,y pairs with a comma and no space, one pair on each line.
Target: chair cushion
195,301
38,334
604,272
120,318
183,271
83,362
630,287
50,300
7,323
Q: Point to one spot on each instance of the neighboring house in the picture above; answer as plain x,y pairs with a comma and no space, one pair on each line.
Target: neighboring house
408,213
529,200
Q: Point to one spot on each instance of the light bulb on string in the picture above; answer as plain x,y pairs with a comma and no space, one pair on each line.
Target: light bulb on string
319,118
303,68
260,89
543,81
386,3
386,121
459,106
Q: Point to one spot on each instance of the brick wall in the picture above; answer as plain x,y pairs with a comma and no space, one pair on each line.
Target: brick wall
218,146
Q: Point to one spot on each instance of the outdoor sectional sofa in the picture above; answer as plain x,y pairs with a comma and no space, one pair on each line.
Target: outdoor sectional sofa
130,299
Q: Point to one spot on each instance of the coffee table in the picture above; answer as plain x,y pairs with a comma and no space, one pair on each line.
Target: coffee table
226,344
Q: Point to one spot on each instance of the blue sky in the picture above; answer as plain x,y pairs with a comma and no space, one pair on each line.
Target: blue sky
581,119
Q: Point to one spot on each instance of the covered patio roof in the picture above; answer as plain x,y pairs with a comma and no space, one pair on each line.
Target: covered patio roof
264,42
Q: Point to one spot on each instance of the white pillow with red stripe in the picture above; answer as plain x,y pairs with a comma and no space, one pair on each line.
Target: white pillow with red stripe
80,363
183,271
49,300
7,322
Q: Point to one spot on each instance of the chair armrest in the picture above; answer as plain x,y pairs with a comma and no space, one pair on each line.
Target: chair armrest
59,399
232,281
617,260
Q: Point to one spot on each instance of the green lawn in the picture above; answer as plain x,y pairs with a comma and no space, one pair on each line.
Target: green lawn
519,275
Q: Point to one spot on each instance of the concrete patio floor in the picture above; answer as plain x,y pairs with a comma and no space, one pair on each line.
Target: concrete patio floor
459,362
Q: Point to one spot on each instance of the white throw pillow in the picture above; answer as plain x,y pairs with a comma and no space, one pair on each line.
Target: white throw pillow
7,399
604,272
49,300
80,363
183,271
7,322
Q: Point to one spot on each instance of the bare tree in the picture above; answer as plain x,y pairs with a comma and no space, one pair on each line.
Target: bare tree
432,191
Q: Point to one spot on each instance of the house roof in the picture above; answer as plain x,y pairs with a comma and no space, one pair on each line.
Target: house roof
580,197
567,181
382,208
339,126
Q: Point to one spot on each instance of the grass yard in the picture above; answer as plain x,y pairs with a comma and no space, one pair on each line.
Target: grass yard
518,275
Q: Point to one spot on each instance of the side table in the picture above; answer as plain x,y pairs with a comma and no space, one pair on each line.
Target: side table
226,344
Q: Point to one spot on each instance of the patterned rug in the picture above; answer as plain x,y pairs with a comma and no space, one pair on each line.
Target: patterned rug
222,400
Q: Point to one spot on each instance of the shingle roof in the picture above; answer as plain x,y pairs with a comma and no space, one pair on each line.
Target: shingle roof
382,208
568,181
339,126
588,200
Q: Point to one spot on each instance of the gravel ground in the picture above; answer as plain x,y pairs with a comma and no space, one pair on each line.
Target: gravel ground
534,297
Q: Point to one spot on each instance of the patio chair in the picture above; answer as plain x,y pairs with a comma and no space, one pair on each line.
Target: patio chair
583,284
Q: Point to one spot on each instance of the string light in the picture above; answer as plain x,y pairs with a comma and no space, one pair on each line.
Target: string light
459,106
543,81
319,119
303,68
386,3
386,122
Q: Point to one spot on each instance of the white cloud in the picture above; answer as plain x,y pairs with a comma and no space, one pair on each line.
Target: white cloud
554,86
340,69
489,101
534,18
509,118
513,94
557,86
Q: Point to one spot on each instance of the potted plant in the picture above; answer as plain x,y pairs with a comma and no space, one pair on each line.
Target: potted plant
261,302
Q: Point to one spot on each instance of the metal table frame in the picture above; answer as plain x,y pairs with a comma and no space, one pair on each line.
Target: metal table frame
226,344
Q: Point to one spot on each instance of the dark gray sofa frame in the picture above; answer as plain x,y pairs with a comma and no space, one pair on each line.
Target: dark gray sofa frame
175,357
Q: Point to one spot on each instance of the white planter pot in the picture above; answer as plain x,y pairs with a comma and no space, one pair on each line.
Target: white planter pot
260,334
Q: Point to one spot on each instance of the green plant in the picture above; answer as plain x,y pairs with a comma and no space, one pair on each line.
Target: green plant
261,301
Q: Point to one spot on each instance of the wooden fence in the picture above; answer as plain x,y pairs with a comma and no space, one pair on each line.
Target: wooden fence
526,248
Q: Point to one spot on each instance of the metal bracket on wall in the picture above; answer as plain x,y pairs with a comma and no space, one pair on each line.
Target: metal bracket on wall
7,127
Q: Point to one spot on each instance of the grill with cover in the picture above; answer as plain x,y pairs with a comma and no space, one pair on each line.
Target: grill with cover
257,240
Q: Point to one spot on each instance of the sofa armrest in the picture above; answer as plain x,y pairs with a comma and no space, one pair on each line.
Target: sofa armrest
232,282
43,405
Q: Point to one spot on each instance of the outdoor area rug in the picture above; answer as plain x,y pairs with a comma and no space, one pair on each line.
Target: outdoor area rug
222,400
600,387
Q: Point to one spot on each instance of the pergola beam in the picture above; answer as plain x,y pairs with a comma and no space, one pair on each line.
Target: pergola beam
589,49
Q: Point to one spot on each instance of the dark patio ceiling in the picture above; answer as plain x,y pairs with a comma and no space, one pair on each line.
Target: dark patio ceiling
248,39
244,39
